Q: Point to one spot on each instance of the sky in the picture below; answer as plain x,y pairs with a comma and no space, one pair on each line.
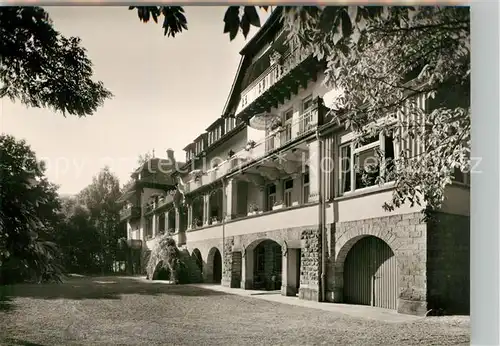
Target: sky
166,92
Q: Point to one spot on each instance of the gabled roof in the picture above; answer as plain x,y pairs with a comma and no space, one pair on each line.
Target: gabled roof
247,51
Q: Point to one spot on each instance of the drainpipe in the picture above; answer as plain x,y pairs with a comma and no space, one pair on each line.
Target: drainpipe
224,213
321,216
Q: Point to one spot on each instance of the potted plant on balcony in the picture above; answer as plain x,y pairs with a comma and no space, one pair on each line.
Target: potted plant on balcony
275,58
275,127
215,220
197,223
250,145
278,205
171,231
196,174
253,209
230,154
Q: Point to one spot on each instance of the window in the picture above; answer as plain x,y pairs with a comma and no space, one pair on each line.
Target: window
305,188
229,124
287,123
306,117
271,196
345,169
161,223
288,189
307,104
366,165
149,227
361,166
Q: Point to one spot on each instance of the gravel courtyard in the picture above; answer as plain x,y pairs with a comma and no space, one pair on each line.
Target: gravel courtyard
124,311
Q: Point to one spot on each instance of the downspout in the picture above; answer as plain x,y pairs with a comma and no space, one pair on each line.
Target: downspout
321,212
224,214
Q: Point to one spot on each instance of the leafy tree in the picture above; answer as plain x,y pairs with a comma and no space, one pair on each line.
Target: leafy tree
384,59
174,22
78,238
99,198
28,216
42,68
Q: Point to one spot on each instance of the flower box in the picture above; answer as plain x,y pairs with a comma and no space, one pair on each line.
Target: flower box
277,206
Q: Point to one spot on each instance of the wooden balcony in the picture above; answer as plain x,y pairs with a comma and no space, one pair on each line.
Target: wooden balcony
277,83
130,213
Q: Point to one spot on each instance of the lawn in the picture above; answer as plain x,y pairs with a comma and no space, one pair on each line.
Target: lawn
127,311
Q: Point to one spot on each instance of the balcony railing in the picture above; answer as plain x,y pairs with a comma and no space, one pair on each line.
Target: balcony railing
300,216
130,213
270,77
304,124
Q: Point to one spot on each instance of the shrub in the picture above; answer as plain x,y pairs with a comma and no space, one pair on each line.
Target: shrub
166,256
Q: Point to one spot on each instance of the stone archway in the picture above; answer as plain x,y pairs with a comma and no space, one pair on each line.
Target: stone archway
366,272
214,266
196,254
263,265
161,272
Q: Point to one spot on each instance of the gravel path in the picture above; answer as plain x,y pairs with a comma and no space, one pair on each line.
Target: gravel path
119,311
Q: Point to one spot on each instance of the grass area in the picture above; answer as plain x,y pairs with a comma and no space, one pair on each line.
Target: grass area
128,311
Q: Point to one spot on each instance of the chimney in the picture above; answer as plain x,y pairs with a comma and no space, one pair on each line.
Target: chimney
170,155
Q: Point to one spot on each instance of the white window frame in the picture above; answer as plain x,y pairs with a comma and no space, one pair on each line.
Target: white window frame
287,125
304,100
305,197
347,140
271,197
287,193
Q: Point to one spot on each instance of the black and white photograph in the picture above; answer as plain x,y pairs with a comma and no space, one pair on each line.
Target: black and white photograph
235,175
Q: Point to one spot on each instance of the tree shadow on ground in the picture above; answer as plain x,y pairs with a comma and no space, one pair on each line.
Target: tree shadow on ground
5,303
112,287
17,342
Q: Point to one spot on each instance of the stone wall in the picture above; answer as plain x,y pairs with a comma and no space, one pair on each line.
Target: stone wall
227,261
448,264
205,247
406,235
310,265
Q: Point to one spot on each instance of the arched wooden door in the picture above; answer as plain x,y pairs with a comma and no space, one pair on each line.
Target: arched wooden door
371,274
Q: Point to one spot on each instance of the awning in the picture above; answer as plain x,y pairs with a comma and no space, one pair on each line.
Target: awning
262,121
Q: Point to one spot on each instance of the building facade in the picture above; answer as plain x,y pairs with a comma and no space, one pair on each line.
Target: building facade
274,199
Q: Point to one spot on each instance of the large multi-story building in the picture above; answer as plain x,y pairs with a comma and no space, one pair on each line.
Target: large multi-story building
259,213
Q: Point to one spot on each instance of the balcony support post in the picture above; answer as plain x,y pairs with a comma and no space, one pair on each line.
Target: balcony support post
190,216
155,224
230,201
166,222
177,219
206,208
